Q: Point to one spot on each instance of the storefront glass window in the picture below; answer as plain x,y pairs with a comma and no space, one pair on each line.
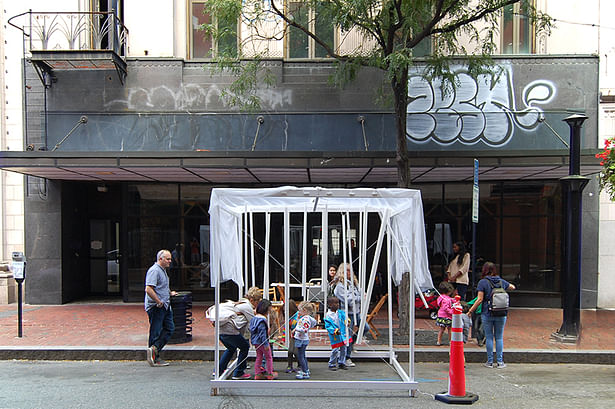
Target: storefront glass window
152,225
519,229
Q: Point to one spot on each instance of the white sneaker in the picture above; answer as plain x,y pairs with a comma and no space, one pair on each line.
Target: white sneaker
501,365
350,363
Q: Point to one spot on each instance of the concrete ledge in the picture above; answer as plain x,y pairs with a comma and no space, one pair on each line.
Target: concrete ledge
131,353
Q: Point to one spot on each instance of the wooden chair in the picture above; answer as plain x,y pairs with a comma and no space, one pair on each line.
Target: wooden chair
281,291
372,328
273,296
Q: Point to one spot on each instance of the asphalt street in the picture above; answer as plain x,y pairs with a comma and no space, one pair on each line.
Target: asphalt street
185,384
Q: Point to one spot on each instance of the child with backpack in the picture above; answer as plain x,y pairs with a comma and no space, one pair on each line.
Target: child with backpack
494,300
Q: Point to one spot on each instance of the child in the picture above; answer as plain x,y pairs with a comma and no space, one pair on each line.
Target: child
335,324
302,339
445,311
292,323
466,321
259,337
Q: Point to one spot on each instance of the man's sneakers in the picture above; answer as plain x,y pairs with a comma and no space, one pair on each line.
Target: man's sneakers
160,362
152,353
153,359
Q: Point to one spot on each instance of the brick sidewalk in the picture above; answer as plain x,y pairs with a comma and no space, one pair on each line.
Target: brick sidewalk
121,324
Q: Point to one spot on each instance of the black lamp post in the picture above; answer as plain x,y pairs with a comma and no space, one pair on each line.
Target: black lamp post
572,188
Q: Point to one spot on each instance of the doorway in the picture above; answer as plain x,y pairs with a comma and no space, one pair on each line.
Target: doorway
104,257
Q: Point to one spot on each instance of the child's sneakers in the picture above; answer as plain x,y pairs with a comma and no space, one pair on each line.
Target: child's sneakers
350,363
303,375
259,377
332,368
343,366
271,376
290,369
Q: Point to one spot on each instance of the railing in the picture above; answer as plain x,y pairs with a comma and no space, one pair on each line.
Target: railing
85,31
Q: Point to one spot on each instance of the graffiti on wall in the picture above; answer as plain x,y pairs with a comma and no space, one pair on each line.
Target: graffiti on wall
482,109
191,97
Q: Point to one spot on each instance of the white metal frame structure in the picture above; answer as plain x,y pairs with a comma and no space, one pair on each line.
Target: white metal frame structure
401,215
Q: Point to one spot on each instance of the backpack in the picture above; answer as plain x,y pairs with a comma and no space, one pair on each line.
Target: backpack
227,312
238,313
499,300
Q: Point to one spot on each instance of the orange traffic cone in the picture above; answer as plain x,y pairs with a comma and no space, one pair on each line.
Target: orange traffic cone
456,371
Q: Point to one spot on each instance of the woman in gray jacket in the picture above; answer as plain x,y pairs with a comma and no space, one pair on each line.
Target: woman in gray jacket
349,293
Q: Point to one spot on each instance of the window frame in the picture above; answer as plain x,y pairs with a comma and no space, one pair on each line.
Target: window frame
312,46
213,51
515,43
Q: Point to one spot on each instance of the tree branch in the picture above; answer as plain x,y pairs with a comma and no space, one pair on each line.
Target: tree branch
473,18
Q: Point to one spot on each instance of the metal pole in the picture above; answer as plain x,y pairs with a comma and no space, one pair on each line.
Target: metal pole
572,187
474,272
19,309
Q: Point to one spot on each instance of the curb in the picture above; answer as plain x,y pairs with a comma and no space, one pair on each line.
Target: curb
132,353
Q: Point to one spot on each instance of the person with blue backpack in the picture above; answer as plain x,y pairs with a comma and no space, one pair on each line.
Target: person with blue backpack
492,291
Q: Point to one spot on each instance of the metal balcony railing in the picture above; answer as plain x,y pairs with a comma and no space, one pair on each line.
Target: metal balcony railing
74,31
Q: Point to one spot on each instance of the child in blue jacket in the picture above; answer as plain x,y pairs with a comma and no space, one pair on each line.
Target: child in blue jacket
335,324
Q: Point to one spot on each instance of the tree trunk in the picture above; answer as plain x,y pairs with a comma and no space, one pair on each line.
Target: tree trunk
400,92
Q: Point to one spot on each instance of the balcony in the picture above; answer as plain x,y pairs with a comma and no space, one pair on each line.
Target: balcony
73,41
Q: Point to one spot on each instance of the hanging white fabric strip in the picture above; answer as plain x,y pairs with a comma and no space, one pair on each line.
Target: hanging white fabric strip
251,216
304,255
266,261
324,252
286,273
244,250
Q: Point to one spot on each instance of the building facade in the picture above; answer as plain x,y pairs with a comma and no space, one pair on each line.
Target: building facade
122,146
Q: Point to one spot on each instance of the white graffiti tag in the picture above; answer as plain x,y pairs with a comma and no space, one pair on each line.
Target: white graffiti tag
474,110
190,97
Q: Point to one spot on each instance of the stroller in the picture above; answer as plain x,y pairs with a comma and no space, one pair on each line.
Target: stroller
431,297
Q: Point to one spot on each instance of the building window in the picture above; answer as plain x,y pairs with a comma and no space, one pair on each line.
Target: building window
299,44
517,31
519,230
201,43
423,49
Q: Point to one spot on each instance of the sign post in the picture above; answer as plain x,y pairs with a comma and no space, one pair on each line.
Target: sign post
475,203
18,268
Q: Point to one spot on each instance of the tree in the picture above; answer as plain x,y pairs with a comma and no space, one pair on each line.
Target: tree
391,30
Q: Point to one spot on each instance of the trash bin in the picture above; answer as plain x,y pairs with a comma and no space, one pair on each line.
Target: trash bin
181,303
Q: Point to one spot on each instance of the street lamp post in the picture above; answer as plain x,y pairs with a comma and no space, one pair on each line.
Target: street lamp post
572,187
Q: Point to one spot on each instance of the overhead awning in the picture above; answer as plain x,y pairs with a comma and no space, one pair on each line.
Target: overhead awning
365,168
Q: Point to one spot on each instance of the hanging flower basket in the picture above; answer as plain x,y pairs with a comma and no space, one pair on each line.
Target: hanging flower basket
607,161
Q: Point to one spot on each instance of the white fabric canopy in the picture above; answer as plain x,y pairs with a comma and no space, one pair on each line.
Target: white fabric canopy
402,209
